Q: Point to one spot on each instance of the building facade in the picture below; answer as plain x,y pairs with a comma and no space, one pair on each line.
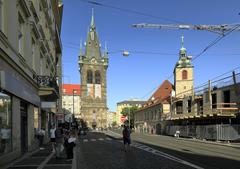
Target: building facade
30,59
71,101
111,118
93,69
126,103
148,119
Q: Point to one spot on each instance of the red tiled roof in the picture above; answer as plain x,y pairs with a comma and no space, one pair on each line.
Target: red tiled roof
67,89
163,92
161,95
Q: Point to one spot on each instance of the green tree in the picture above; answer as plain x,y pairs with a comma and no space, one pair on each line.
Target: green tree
130,110
114,124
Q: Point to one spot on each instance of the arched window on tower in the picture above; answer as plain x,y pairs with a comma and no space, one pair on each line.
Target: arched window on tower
89,76
184,74
97,77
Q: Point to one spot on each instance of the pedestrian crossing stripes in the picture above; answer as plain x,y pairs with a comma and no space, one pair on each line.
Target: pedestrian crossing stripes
97,139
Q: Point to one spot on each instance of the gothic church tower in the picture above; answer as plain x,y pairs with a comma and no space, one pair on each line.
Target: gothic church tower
93,69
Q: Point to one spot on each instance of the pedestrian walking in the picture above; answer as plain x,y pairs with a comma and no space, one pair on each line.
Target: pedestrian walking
41,134
59,141
126,137
71,143
53,137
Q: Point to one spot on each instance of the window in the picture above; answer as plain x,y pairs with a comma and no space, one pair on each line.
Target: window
20,34
36,121
34,55
5,124
189,105
97,77
214,101
41,64
1,15
226,98
184,74
94,115
89,77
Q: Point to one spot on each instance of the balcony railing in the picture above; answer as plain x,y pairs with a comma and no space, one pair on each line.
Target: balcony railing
47,81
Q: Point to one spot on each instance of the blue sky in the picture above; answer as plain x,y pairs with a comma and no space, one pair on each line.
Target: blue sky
139,74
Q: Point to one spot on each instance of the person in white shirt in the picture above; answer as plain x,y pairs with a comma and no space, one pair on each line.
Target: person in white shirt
5,134
53,137
41,135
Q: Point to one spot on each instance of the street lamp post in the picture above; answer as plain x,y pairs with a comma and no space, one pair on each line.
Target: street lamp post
74,90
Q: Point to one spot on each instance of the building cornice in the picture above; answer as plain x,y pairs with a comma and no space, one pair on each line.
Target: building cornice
25,8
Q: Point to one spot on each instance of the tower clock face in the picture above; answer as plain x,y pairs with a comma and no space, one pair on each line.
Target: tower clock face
93,61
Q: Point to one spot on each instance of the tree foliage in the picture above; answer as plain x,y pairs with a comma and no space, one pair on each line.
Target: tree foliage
114,124
130,110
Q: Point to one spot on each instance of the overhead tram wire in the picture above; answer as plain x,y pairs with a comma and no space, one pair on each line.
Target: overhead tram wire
214,42
76,47
131,11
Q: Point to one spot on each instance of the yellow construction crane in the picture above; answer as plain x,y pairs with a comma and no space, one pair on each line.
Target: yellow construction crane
220,29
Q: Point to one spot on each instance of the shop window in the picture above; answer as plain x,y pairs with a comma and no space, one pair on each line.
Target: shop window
36,121
5,124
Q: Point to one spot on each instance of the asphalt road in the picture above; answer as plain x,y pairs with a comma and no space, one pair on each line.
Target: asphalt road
98,151
212,156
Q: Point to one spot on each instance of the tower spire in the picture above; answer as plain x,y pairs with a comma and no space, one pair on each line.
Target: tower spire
105,47
92,19
105,50
182,41
80,52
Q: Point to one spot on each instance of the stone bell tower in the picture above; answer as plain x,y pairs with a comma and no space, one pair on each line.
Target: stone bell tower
183,73
93,68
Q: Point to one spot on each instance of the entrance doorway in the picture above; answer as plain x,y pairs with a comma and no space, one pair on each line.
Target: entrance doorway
24,127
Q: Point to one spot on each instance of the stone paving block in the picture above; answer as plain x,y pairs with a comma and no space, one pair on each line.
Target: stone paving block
41,154
24,167
59,161
31,161
58,167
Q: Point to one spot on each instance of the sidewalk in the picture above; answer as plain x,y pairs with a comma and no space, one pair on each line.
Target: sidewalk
119,136
40,159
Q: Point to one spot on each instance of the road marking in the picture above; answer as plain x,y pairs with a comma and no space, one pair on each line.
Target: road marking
165,155
93,139
85,140
100,139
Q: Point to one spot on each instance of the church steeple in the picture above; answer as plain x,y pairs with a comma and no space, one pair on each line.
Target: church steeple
80,52
184,60
92,44
183,51
92,20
